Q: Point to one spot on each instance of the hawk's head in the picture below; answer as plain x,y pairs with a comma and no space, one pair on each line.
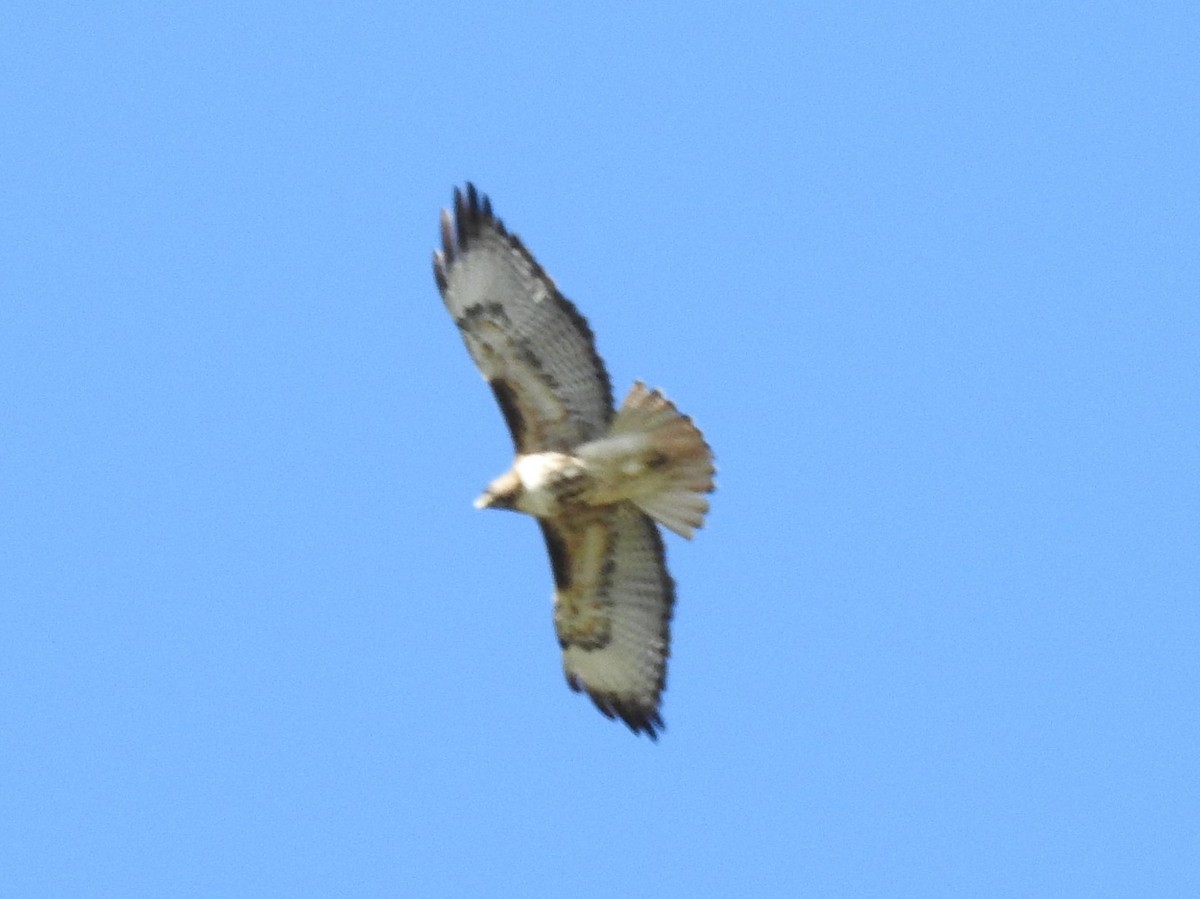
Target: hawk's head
502,493
538,484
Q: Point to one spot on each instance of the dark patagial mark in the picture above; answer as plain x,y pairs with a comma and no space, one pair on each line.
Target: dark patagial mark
510,408
560,558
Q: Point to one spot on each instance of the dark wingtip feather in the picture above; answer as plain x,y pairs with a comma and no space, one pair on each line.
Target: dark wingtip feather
443,259
449,244
439,270
463,205
473,216
640,719
472,213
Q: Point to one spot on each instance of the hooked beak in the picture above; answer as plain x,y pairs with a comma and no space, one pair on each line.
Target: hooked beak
501,493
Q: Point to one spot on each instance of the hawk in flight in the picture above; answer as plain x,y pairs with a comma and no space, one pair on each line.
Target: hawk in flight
596,479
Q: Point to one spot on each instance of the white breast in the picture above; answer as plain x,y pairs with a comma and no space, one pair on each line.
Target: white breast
541,475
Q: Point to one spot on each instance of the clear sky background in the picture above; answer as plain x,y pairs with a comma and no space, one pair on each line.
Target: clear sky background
927,275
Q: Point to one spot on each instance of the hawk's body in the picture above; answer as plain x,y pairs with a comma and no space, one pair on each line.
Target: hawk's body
595,479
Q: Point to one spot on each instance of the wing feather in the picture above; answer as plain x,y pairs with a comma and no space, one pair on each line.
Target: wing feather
528,340
613,607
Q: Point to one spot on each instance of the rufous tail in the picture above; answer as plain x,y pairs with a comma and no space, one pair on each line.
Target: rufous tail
664,458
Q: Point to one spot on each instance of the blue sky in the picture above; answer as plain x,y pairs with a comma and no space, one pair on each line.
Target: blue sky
926,274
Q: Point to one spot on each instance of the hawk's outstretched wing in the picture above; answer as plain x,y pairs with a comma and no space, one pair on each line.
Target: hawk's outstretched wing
529,341
612,610
613,595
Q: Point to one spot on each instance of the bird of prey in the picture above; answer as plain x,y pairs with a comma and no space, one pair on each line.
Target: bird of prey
596,479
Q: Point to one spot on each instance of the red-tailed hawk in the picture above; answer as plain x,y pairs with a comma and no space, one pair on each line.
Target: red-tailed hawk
595,479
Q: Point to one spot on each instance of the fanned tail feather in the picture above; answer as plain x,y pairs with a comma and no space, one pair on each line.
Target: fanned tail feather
659,459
